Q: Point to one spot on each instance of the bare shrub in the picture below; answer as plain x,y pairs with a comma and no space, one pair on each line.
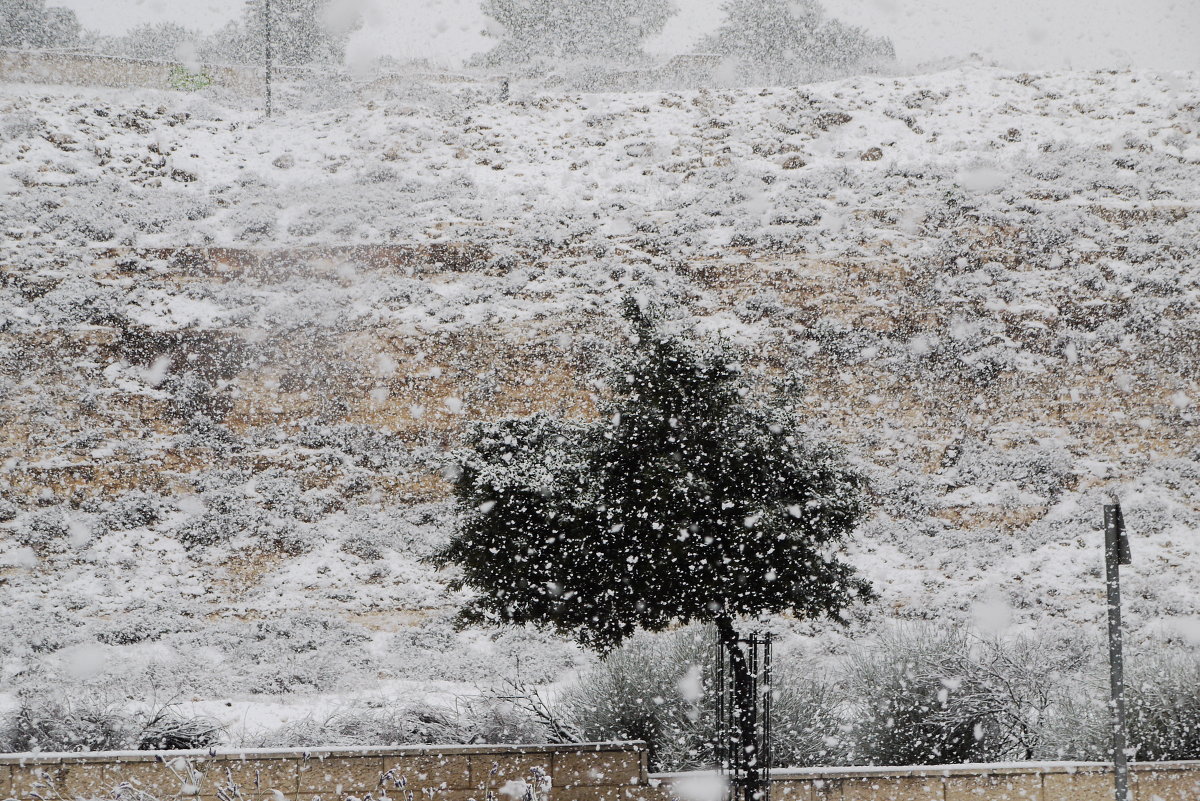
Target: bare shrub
480,720
88,722
169,730
1163,703
658,688
928,695
903,713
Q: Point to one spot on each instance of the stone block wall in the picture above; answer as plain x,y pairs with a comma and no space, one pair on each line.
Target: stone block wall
589,772
1078,781
88,69
592,772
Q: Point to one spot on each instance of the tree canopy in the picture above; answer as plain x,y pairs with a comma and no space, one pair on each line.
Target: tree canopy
786,41
530,30
691,498
29,23
302,32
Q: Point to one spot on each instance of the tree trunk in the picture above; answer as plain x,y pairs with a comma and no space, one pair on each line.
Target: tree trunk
744,748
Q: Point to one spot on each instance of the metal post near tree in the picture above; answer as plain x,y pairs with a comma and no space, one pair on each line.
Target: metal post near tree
743,718
1116,553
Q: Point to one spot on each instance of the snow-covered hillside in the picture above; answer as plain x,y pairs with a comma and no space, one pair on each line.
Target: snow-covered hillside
233,351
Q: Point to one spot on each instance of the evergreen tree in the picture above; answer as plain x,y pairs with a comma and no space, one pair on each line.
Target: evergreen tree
157,41
690,499
573,30
302,32
791,41
28,23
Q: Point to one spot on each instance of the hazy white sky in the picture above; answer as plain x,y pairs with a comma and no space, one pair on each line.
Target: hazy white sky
1027,34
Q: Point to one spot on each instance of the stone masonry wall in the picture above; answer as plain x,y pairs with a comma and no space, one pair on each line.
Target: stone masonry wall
589,772
87,69
1068,781
593,772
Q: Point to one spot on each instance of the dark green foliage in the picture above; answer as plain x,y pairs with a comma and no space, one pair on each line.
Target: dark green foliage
790,41
691,499
573,29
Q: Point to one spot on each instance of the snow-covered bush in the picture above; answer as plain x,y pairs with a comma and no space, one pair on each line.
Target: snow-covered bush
1045,469
51,720
30,24
1162,706
144,623
46,531
907,711
157,41
298,652
170,730
1024,685
928,695
569,32
241,513
79,299
132,510
193,396
763,305
363,546
303,32
791,41
435,647
217,524
33,631
843,343
658,688
469,721
98,716
366,446
1163,703
651,689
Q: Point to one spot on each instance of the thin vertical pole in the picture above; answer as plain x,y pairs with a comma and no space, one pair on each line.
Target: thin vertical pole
719,743
753,770
744,758
1113,532
267,37
767,745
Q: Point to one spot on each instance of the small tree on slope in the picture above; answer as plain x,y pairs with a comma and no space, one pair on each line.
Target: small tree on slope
789,41
572,30
691,499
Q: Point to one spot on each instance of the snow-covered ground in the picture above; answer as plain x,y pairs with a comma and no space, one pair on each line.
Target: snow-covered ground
219,468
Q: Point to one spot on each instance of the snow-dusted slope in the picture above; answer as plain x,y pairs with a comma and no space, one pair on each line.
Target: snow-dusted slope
232,350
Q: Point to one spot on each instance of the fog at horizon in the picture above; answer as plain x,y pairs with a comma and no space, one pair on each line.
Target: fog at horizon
1056,34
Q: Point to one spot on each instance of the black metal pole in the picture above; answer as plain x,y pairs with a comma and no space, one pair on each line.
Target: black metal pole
267,37
742,743
768,746
1116,553
753,755
719,740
